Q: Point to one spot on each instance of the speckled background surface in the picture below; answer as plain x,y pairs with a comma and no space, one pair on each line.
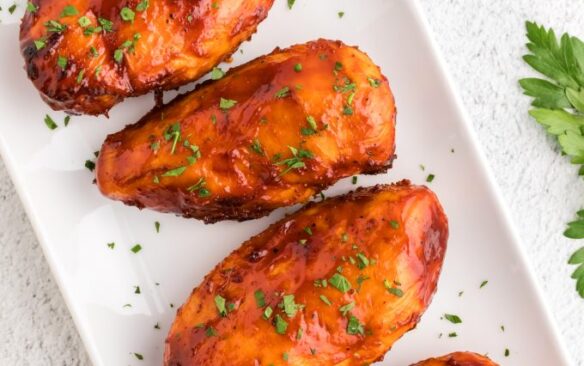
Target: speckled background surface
482,42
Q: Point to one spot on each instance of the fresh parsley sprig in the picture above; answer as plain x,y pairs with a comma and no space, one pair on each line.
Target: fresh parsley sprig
578,275
559,106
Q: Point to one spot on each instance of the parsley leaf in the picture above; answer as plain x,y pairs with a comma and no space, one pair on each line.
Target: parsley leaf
454,319
354,327
339,282
260,298
50,122
289,306
578,259
296,161
559,104
281,325
226,104
127,14
68,11
217,73
220,304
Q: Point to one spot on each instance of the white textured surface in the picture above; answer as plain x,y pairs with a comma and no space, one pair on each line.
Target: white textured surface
482,42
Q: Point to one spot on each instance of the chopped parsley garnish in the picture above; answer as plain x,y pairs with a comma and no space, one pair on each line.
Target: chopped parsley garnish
507,352
220,304
298,67
217,73
354,327
211,332
299,334
107,25
127,14
40,44
430,178
200,187
454,319
354,180
175,172
156,326
173,132
296,161
291,3
31,8
84,21
325,300
393,290
282,93
54,26
338,66
375,83
256,147
281,325
50,122
339,282
346,308
308,230
363,260
62,62
312,127
80,76
348,86
226,104
90,165
307,131
137,290
344,237
142,5
267,313
157,226
360,280
289,306
285,356
111,245
136,248
347,110
320,283
260,298
118,55
69,11
394,224
452,335
138,356
341,14
483,284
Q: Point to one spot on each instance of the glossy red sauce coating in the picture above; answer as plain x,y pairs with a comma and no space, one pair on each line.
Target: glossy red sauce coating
171,43
388,242
324,101
458,359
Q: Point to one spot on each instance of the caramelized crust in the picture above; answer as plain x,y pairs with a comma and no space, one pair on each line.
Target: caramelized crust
458,359
75,66
271,133
387,242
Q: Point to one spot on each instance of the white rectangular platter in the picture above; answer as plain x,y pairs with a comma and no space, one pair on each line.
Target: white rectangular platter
74,223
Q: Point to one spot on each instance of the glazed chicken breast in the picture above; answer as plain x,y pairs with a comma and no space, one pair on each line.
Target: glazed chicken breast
458,359
86,56
271,133
336,283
